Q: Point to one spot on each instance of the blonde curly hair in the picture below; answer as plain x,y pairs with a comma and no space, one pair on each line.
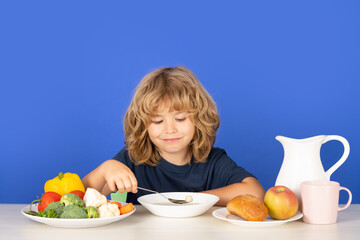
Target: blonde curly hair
185,93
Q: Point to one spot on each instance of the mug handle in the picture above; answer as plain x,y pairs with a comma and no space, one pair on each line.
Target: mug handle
349,201
343,157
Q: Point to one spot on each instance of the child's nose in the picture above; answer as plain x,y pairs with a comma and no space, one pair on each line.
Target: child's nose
170,127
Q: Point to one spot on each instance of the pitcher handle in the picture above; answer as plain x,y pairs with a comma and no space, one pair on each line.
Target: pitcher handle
343,157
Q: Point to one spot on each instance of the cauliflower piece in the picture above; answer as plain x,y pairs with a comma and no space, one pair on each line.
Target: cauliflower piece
189,198
108,210
94,198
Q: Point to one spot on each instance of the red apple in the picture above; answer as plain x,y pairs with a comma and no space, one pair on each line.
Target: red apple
281,202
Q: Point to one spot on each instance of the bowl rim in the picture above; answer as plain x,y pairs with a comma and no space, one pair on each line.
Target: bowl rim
212,198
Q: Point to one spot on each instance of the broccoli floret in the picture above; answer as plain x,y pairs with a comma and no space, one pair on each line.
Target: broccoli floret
91,212
73,211
57,206
71,198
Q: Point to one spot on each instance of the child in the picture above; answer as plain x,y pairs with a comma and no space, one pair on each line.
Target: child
170,128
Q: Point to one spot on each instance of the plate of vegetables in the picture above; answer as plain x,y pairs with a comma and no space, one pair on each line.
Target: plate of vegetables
71,211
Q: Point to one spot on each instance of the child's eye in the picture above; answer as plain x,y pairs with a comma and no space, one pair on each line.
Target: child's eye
180,119
157,122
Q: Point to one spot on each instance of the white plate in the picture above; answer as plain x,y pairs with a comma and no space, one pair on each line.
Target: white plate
223,214
73,223
160,206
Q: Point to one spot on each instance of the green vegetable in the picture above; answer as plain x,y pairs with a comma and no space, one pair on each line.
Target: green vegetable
52,214
91,212
32,213
41,214
73,211
70,199
57,207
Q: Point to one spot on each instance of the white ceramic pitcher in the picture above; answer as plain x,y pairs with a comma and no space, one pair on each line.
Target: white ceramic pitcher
302,160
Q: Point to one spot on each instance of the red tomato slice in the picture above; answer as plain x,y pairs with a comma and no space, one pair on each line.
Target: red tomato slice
48,198
79,193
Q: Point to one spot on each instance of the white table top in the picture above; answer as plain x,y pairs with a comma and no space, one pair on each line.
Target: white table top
144,225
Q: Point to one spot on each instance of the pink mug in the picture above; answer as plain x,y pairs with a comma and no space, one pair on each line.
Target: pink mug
320,201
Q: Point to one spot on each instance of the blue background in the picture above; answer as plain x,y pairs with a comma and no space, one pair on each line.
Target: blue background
69,69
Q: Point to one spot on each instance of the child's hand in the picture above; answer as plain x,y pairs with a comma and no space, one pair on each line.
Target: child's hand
118,176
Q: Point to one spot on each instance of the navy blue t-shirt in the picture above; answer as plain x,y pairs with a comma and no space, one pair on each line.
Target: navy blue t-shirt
218,171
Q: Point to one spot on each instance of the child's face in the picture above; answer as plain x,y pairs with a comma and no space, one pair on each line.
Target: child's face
171,132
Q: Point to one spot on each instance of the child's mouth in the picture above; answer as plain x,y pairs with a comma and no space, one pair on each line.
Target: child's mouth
170,140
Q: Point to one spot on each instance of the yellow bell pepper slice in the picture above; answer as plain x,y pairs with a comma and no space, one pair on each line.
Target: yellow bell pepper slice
64,183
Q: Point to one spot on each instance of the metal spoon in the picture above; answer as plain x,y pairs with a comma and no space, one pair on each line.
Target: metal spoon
176,201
